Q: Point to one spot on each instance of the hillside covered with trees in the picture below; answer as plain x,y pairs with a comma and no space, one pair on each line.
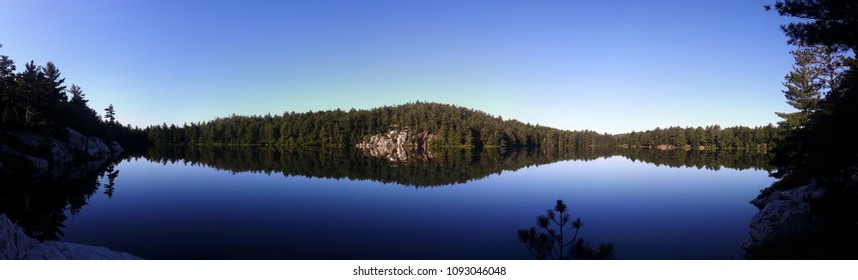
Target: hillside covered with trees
37,99
450,125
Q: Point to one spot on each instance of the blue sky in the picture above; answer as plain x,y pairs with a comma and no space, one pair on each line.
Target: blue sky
609,66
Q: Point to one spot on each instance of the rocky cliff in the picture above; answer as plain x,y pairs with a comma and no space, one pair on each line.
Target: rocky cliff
806,219
783,213
394,145
15,245
28,155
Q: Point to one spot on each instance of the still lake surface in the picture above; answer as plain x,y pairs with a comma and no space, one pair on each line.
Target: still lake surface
196,208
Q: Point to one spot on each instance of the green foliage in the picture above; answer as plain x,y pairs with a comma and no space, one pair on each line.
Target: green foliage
110,114
803,90
548,240
825,146
709,138
825,23
36,99
815,74
823,149
451,125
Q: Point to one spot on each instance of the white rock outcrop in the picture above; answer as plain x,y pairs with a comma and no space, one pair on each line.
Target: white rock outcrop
783,213
15,245
394,145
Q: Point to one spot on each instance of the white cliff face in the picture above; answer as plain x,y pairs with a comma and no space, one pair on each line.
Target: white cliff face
390,145
394,144
32,155
15,245
783,213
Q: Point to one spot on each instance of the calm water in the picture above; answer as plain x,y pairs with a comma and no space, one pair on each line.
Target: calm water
171,209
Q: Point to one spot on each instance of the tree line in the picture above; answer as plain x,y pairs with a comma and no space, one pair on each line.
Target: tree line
450,125
713,137
37,99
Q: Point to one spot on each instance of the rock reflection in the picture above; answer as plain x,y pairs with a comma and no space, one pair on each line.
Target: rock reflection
418,167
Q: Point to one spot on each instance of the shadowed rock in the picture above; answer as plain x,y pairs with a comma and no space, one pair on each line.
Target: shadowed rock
15,245
30,155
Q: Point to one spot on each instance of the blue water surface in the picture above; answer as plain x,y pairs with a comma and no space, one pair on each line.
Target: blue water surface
178,211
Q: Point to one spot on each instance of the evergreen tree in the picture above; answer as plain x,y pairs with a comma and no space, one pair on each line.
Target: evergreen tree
110,114
823,151
824,147
37,100
28,93
86,118
7,89
803,89
548,240
831,63
830,23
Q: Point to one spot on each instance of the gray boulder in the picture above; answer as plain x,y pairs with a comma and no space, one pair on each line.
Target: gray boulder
30,155
783,213
15,245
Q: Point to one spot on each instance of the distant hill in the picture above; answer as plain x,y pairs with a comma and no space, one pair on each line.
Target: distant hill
445,125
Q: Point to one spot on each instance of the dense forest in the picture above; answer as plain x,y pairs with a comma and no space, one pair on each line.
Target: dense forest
711,137
450,125
37,99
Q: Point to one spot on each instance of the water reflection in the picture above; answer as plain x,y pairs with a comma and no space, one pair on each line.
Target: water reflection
42,208
420,168
39,207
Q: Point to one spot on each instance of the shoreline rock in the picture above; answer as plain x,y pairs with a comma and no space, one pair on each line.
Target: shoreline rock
16,245
783,213
28,155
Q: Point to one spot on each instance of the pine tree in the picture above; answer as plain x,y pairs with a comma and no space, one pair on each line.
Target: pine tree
110,114
7,88
548,240
85,118
28,96
803,89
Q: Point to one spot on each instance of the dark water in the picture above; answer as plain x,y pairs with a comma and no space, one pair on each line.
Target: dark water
236,203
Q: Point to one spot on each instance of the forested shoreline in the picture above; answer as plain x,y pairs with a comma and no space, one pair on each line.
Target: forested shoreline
809,212
37,99
451,126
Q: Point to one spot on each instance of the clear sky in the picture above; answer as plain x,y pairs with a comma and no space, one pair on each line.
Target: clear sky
609,66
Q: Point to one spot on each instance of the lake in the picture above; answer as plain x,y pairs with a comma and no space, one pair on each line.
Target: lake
273,203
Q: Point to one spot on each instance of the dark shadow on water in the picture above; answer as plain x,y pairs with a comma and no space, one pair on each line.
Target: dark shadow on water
39,207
